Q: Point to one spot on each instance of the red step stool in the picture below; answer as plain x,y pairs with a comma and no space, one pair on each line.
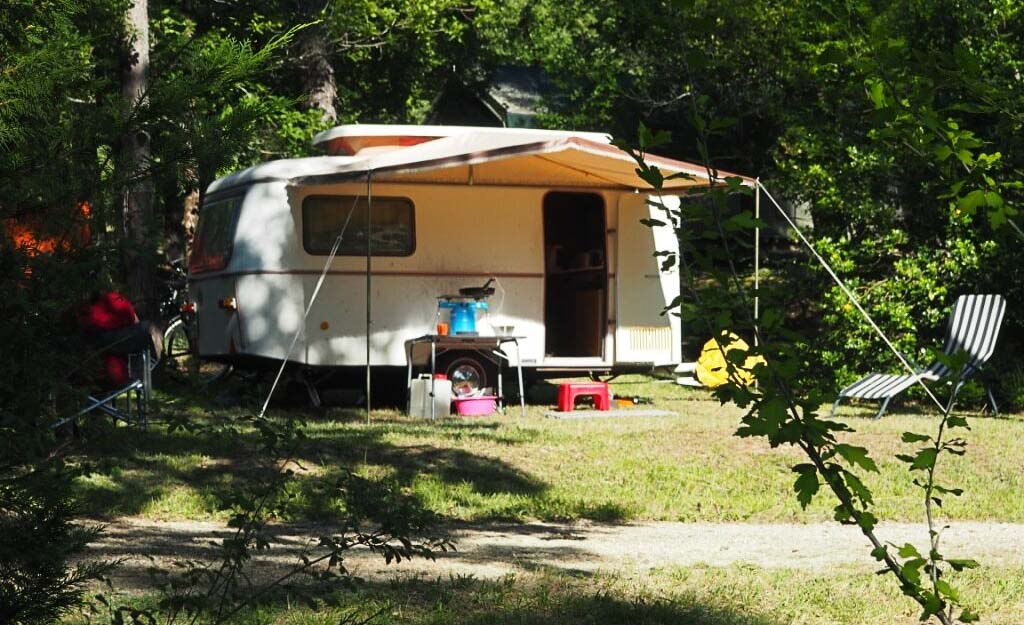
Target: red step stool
569,391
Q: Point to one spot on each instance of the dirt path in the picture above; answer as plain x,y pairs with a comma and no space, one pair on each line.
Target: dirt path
494,550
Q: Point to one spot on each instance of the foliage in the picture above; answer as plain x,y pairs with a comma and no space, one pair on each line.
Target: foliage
933,137
778,409
391,58
60,122
783,415
865,115
46,59
220,591
37,541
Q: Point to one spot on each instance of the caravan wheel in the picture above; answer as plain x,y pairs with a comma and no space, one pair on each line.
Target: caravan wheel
468,372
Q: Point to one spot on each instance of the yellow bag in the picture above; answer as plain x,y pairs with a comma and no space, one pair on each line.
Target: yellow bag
711,366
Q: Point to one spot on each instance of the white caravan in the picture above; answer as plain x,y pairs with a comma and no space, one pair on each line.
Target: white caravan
554,217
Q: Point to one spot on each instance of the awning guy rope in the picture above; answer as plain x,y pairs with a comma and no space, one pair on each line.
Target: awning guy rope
853,299
309,306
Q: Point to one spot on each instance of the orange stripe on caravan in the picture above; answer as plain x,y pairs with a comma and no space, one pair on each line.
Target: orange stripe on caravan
341,272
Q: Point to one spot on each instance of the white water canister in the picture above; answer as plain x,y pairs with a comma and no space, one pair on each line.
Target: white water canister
419,397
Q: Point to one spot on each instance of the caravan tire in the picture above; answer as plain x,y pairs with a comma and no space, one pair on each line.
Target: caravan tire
467,371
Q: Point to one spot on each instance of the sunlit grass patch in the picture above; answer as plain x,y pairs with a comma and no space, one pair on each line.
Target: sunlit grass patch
183,501
687,467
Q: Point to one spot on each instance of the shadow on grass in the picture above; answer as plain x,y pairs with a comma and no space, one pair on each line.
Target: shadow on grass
185,474
530,600
541,599
469,601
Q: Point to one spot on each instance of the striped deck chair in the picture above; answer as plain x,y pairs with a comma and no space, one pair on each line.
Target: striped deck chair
973,327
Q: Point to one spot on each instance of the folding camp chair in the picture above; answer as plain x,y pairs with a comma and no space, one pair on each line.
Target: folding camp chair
973,328
135,394
142,346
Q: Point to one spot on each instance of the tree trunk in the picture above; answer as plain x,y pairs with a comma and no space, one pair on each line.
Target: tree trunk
315,62
135,160
190,219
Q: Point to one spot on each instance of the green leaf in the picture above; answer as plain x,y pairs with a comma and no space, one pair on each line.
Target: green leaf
806,486
867,521
947,591
959,564
967,616
857,487
911,437
857,455
969,203
652,176
876,92
879,553
842,515
911,570
909,551
925,459
954,421
997,215
932,605
648,139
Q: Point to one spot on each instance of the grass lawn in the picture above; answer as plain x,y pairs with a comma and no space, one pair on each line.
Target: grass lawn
688,467
684,468
739,595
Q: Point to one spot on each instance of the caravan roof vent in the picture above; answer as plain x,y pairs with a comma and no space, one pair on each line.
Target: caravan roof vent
369,139
366,139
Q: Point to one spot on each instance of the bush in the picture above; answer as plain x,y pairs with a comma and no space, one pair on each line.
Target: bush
38,539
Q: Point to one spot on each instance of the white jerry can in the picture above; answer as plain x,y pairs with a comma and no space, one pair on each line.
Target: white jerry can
419,397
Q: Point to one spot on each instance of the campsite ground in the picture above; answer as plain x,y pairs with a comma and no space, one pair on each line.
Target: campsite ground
590,506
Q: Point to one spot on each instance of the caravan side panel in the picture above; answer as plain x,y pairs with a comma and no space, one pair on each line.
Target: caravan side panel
269,296
464,234
644,333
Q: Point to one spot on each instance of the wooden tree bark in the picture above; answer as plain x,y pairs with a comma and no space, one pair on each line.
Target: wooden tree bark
315,67
135,160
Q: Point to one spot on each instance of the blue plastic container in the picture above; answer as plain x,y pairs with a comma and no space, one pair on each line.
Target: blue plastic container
463,315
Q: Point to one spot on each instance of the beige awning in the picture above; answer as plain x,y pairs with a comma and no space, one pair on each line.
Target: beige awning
496,156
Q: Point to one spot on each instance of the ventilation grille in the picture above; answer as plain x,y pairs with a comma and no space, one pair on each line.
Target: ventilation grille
649,340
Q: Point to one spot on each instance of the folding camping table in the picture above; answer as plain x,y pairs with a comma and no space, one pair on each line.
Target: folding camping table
490,347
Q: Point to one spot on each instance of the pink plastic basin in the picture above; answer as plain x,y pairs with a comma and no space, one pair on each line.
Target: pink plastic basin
475,406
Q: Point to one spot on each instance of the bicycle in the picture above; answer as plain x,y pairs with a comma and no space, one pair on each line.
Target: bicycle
181,358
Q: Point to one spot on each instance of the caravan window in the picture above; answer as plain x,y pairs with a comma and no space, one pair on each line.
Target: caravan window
393,225
211,249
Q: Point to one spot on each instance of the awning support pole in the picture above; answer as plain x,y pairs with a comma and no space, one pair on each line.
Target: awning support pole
369,282
757,259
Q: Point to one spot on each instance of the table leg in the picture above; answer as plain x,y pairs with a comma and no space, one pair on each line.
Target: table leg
433,371
408,379
501,390
522,391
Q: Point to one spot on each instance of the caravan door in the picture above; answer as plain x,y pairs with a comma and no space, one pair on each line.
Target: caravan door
644,332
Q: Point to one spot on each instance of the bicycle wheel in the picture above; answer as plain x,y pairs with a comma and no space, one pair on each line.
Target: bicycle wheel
180,360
